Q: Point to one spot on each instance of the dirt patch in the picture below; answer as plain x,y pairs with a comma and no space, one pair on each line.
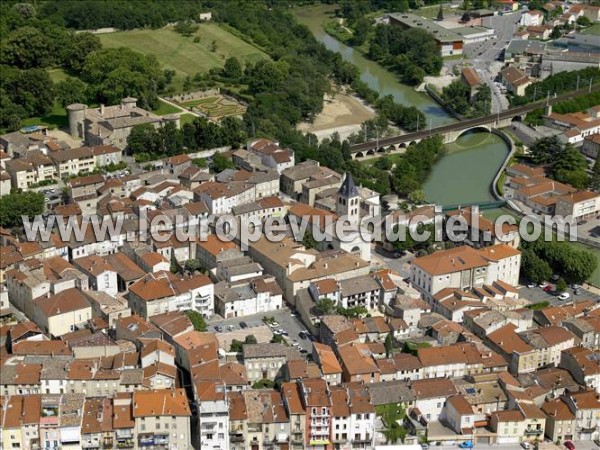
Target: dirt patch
440,82
339,111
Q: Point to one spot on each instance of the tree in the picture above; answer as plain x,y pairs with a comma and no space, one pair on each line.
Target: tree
186,28
278,339
546,150
81,45
219,163
571,168
250,339
583,21
561,285
236,346
417,197
534,268
264,384
555,33
308,239
196,319
440,15
389,344
143,138
326,305
17,204
595,178
71,90
232,68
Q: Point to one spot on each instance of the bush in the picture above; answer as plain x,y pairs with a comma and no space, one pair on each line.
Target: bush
197,320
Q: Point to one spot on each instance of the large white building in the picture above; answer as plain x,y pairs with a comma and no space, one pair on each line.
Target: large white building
465,268
246,297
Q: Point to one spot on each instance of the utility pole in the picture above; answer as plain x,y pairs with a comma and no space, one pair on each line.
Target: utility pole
418,117
577,88
590,89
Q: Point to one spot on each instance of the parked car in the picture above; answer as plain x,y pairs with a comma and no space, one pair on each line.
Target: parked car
273,324
577,291
531,285
301,335
543,284
570,445
230,327
243,325
219,328
548,288
283,332
564,296
466,444
526,445
555,277
575,287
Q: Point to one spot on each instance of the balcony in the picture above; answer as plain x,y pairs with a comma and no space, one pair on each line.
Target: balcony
235,438
587,430
125,444
533,432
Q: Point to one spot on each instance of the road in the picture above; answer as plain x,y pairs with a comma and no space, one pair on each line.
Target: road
283,317
579,445
484,55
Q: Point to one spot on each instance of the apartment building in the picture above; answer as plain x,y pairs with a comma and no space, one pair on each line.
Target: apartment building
465,268
162,418
164,292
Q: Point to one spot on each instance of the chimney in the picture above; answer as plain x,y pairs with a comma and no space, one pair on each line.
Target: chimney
102,109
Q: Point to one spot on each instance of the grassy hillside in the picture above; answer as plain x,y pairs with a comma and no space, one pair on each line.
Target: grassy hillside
181,53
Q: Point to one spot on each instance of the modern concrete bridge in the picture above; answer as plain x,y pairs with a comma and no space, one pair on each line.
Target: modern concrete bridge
452,132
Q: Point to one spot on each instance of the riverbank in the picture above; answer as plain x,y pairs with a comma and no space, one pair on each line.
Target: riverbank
373,75
342,113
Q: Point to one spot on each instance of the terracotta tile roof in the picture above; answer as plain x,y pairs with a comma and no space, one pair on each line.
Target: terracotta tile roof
292,398
173,323
449,261
339,400
210,391
215,246
124,266
433,388
471,77
509,341
460,404
237,406
557,409
52,348
327,359
233,374
315,392
63,302
166,402
123,412
97,416
156,345
357,359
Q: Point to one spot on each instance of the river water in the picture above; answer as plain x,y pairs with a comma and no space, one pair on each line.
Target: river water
465,173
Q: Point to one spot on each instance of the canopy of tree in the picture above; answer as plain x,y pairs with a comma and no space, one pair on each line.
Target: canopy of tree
575,265
17,204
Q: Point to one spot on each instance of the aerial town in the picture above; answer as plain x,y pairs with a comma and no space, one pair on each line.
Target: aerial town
286,225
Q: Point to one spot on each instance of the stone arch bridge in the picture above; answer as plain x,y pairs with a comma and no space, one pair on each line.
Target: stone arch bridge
453,131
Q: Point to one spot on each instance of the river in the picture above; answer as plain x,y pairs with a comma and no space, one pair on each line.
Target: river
464,175
374,75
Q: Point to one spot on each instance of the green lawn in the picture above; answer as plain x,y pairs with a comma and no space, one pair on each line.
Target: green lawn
181,53
594,29
57,75
56,118
186,118
164,109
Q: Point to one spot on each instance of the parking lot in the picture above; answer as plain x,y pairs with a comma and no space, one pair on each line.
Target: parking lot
537,295
255,325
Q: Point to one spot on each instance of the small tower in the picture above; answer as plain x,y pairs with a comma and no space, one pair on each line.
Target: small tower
76,115
348,199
